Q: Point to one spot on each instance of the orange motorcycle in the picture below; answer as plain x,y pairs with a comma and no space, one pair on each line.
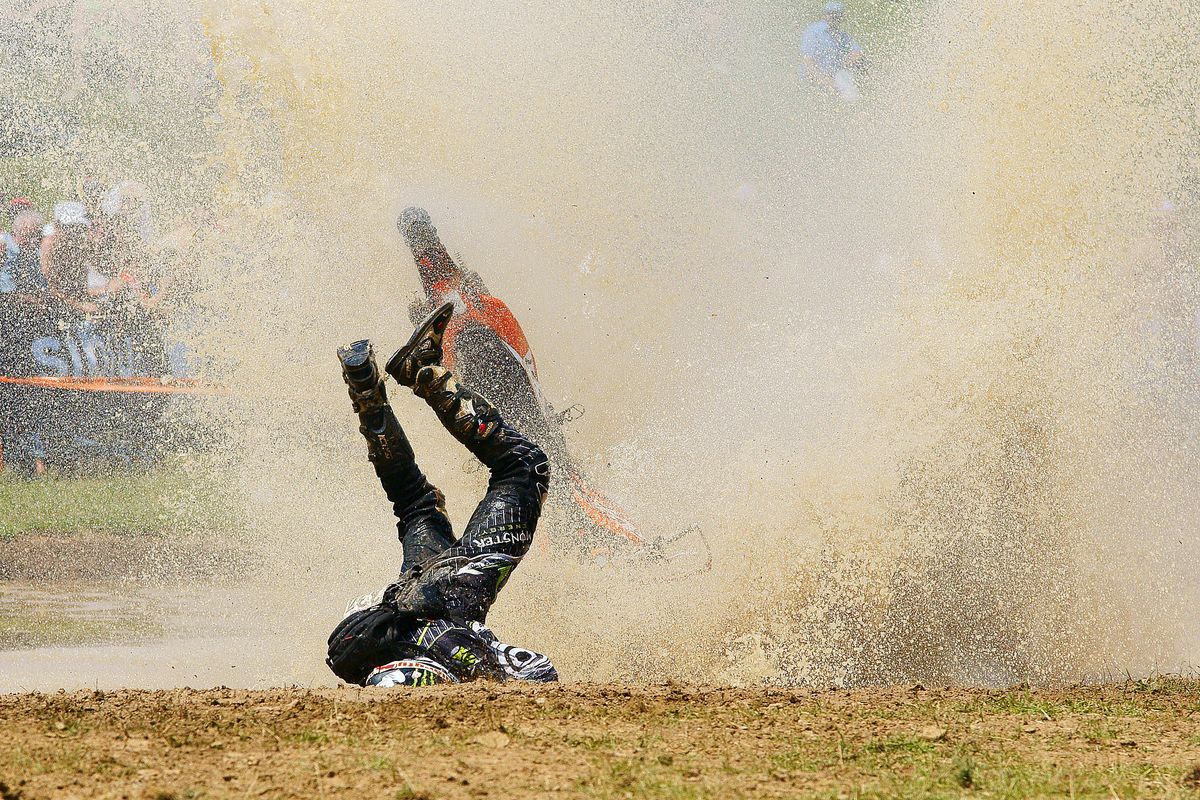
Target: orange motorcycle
486,347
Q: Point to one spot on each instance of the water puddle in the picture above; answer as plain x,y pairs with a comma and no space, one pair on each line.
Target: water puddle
107,637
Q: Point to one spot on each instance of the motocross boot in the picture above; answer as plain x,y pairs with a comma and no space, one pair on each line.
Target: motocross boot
468,416
423,526
423,348
387,446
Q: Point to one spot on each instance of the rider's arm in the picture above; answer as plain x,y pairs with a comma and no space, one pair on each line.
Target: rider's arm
46,250
466,654
854,55
518,663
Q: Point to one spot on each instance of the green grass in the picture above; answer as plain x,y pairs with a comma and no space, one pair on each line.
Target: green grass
625,777
167,499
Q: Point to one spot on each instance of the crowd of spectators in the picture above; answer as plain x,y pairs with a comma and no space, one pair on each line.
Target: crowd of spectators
91,258
87,291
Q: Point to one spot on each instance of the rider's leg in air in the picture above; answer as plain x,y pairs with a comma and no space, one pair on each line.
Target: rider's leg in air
501,529
420,508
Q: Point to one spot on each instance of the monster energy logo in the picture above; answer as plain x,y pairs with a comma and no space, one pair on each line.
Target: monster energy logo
423,677
464,656
507,535
502,576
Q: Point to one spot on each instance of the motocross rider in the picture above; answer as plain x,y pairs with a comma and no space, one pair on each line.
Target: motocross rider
429,626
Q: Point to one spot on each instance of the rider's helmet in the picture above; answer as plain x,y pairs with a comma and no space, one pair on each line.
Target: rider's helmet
414,671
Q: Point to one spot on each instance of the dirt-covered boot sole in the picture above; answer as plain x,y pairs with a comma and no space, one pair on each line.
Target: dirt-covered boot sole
423,348
358,366
362,376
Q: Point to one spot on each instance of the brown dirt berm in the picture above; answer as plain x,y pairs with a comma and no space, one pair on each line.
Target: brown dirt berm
673,741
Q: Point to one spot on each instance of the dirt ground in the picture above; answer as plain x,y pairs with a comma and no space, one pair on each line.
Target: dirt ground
504,741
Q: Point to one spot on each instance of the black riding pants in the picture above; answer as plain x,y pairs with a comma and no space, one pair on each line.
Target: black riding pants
466,574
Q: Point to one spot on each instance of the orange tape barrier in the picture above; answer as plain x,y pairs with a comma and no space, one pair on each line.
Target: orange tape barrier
126,385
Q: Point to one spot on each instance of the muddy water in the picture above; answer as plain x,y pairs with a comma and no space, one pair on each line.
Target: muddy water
110,636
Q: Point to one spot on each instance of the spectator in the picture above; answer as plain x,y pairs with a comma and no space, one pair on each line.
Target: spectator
101,266
22,270
174,278
22,311
831,56
11,209
124,234
23,296
128,203
66,258
8,278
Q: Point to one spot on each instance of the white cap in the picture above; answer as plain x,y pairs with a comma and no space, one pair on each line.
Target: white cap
71,212
114,198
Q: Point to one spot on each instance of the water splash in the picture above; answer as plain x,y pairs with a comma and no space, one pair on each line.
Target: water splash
924,368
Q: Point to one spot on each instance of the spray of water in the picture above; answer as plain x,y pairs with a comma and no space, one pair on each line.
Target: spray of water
923,368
